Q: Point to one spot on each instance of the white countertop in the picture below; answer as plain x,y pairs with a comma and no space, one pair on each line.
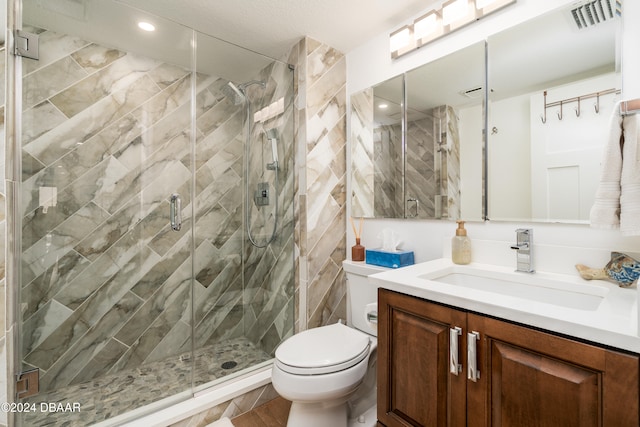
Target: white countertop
614,323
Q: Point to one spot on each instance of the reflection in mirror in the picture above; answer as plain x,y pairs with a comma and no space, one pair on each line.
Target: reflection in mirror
443,175
553,87
376,156
439,173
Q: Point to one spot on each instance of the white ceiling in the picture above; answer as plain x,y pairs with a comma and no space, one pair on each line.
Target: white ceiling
266,27
271,27
545,49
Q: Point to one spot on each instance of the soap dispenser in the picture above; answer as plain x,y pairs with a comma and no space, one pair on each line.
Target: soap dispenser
461,245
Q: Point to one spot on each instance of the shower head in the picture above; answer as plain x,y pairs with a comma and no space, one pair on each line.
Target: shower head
245,85
272,133
235,94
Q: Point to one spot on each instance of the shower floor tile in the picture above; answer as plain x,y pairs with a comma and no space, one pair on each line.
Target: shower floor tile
112,395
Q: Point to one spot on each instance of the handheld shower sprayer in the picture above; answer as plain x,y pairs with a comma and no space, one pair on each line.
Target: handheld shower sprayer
272,136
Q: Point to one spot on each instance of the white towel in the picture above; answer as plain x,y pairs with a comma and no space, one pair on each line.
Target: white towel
605,212
630,178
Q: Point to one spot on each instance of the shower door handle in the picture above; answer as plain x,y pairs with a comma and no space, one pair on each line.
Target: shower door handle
176,212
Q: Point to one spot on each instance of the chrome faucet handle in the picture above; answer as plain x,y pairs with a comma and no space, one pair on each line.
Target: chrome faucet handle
524,246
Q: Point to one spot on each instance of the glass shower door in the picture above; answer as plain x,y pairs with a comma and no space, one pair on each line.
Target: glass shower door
243,263
107,142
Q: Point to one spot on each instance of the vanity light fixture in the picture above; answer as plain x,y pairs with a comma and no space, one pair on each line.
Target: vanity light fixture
401,41
146,26
427,28
452,14
456,11
488,6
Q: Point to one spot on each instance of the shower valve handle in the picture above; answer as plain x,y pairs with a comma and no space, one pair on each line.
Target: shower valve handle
176,212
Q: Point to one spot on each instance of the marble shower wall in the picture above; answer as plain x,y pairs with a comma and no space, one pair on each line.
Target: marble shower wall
363,169
3,228
321,182
376,159
269,298
320,193
387,158
106,284
430,169
433,164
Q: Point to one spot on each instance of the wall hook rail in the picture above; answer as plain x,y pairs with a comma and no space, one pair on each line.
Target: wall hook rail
576,99
560,113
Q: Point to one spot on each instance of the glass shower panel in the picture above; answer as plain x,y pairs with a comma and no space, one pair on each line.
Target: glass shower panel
106,141
243,269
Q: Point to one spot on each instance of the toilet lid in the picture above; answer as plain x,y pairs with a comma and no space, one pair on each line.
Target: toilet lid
324,349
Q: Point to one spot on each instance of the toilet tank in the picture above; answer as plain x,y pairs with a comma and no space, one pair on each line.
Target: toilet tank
360,294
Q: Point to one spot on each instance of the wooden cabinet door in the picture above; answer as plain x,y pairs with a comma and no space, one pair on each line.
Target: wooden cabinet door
415,387
530,378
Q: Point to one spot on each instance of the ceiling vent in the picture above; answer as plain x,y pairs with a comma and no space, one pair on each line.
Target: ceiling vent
593,12
473,93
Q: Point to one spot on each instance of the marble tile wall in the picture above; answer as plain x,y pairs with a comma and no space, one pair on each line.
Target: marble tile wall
452,165
55,245
433,164
387,158
106,284
269,297
363,179
431,170
320,168
3,228
321,179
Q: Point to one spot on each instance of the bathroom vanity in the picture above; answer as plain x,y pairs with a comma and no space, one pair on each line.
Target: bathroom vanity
462,354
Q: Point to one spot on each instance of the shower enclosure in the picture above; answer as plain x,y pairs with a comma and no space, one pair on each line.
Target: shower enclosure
155,209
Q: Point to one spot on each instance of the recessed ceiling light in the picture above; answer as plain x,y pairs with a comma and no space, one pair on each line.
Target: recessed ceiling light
146,26
382,106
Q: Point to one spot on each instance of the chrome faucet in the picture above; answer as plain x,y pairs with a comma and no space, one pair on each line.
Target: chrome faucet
524,246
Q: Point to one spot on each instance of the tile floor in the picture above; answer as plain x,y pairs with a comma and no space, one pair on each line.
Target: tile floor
113,395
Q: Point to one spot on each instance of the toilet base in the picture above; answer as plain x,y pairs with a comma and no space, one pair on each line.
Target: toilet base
369,418
317,415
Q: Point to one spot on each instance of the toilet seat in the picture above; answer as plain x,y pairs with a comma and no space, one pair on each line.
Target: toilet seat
323,350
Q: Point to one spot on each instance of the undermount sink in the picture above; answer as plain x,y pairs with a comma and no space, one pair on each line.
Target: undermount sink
532,287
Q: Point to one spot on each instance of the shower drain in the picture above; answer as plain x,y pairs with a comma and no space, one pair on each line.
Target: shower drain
229,365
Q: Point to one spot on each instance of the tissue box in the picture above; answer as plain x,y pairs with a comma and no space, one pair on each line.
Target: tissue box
389,259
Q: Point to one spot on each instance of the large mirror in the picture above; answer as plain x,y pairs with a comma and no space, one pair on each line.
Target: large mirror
417,142
377,157
553,84
443,170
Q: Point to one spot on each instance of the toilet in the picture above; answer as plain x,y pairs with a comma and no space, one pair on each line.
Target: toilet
328,373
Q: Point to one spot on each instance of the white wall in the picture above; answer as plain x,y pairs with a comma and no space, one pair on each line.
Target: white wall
370,64
564,153
470,168
513,153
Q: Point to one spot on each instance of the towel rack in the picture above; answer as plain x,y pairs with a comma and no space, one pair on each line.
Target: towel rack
630,107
